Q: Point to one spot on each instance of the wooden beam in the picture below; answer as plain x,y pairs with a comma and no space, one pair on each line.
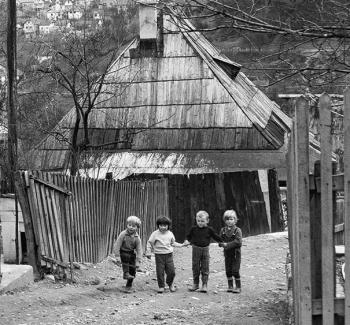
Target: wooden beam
338,306
337,182
53,186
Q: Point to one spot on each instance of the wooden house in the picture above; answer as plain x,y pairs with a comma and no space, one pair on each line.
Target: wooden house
182,110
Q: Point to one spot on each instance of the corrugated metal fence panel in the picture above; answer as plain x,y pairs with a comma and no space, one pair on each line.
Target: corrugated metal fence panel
83,226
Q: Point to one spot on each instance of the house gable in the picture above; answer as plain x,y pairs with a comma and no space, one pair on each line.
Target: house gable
181,98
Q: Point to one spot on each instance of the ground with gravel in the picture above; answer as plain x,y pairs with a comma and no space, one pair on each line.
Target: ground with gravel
95,296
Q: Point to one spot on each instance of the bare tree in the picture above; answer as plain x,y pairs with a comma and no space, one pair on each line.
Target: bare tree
78,61
306,40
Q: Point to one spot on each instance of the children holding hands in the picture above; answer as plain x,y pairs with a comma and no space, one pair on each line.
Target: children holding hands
162,243
128,251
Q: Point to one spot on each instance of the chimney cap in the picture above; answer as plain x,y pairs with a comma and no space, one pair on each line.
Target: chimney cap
148,2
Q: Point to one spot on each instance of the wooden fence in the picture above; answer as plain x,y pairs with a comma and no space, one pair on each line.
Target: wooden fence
78,219
312,219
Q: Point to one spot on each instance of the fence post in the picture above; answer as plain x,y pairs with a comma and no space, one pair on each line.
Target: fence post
302,212
33,249
327,229
347,201
316,242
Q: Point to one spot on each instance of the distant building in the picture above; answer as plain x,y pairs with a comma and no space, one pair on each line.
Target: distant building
75,14
29,28
47,29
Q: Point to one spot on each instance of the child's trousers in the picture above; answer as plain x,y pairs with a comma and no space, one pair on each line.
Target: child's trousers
232,264
165,263
200,263
128,260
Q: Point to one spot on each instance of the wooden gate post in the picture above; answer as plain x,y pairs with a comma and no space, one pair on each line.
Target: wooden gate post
316,241
32,247
301,214
347,199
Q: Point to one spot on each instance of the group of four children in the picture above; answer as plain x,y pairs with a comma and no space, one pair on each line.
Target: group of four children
128,250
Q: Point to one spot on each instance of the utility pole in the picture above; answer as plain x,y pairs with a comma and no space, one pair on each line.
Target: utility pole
12,99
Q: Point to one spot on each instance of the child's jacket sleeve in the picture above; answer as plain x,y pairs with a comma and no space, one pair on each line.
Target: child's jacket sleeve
150,243
118,243
138,250
215,236
189,235
236,240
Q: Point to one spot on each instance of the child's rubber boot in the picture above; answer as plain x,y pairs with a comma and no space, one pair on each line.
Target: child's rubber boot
230,285
128,286
172,288
204,287
238,286
194,287
128,276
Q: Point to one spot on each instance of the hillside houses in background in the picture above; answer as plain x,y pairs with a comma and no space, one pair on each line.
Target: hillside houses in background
42,17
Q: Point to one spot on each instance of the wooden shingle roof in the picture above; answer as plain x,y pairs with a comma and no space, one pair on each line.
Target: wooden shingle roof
188,101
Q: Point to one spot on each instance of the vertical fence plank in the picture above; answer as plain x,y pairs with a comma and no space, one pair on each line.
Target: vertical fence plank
347,201
96,196
80,230
327,248
302,212
39,216
45,219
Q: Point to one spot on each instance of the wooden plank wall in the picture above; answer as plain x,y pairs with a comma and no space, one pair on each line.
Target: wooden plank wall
311,223
78,219
216,193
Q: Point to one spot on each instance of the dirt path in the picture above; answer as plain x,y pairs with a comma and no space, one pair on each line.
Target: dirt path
263,299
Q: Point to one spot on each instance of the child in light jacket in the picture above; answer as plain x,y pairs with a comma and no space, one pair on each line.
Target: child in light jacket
162,243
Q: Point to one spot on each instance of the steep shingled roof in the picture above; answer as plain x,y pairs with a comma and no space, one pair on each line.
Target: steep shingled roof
179,96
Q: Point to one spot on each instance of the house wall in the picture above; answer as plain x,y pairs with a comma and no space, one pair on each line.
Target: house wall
8,217
216,193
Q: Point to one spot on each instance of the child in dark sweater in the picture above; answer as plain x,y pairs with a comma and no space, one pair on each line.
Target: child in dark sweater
199,237
231,236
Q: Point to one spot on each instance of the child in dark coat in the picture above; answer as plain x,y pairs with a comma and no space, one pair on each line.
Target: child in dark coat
199,237
231,236
128,250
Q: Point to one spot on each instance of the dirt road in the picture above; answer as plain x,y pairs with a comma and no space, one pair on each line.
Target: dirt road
263,299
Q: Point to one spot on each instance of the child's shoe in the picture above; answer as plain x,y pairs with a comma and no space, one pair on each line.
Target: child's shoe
194,287
238,286
128,276
204,288
160,290
172,288
128,289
